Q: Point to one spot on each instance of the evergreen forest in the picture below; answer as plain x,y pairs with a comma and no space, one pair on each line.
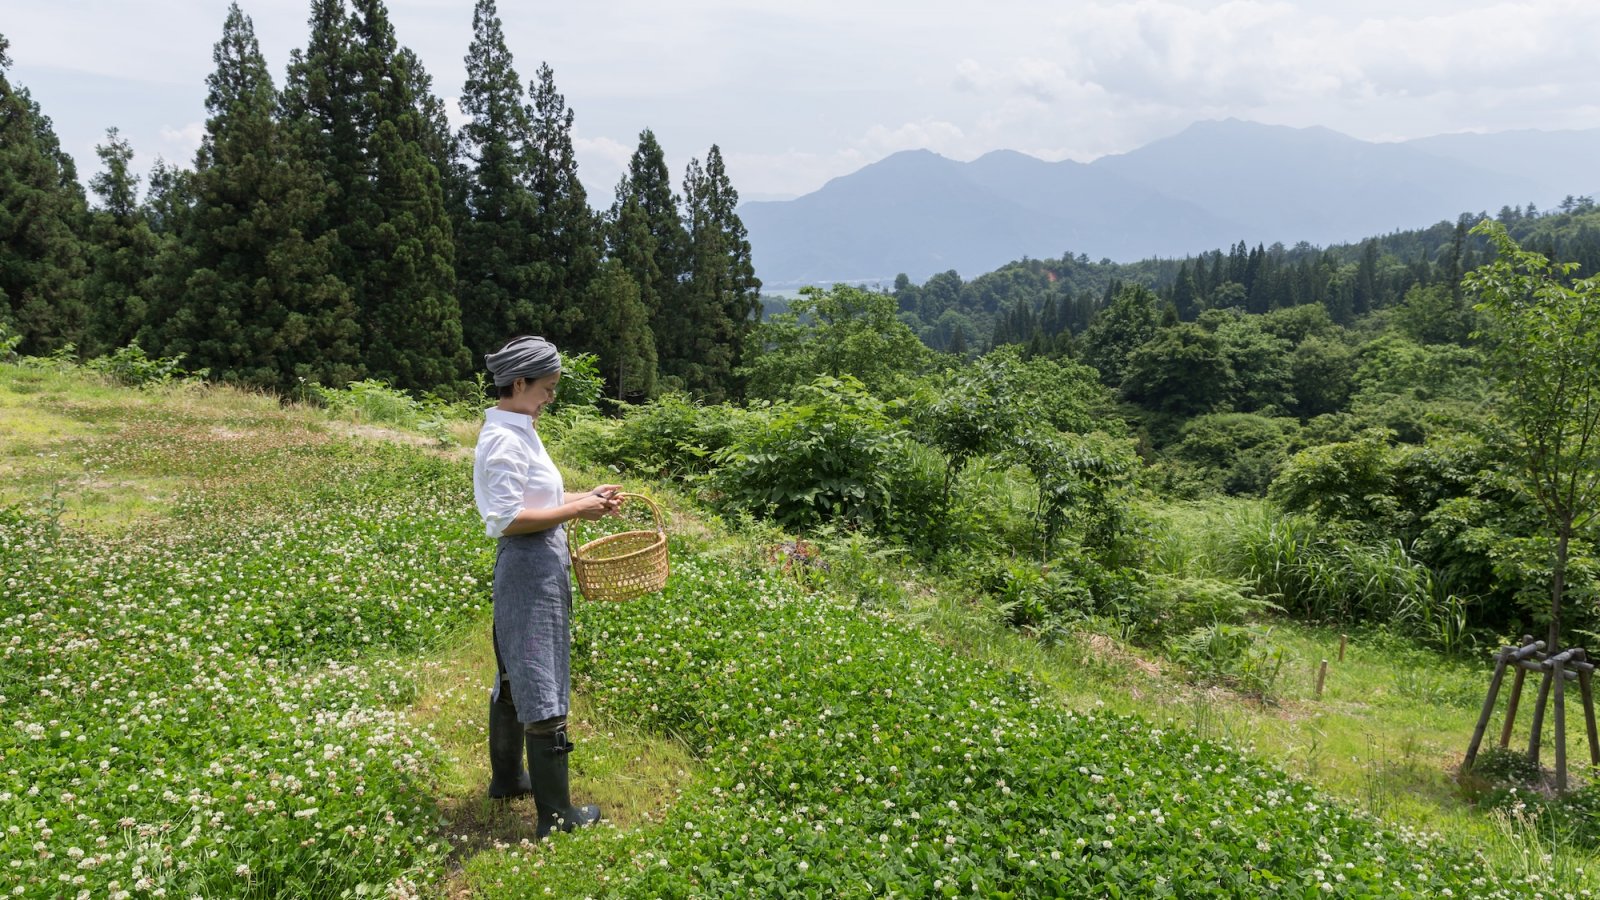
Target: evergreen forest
332,228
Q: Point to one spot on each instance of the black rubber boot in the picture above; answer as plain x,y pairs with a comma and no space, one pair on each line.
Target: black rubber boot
547,765
507,777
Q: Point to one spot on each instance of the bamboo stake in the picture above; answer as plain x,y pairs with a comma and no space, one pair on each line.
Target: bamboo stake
1322,675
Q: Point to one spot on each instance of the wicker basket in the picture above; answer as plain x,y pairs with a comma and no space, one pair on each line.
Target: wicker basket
625,565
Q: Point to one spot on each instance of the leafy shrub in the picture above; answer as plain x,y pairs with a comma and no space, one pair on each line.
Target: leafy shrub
1185,602
1239,656
1233,453
9,341
130,366
1084,482
670,437
581,385
825,457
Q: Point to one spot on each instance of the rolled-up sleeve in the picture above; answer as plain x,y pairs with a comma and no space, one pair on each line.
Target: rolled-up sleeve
501,472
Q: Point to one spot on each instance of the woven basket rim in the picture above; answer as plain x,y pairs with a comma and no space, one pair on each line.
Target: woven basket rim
578,554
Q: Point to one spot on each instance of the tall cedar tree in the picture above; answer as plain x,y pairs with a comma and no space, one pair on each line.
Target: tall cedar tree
122,251
632,250
260,304
497,236
42,209
722,299
645,235
403,250
353,96
569,239
620,333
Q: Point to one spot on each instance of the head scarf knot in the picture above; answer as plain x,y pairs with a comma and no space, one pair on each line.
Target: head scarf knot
524,357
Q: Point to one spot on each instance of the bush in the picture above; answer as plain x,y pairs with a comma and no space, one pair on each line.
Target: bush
1238,656
1233,453
671,437
130,366
824,458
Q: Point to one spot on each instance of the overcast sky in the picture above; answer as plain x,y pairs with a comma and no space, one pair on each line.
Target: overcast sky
801,91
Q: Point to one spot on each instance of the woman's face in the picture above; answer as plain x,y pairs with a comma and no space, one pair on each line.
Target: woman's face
539,393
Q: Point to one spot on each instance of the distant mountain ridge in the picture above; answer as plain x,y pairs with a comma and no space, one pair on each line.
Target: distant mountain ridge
1210,186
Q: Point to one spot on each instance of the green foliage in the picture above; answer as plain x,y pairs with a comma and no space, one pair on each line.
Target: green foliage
981,409
41,213
1315,573
1234,453
1238,656
670,437
579,390
823,457
1544,349
1434,315
836,332
1118,330
131,366
1350,481
1083,482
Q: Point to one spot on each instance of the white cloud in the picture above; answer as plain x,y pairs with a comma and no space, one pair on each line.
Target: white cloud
181,143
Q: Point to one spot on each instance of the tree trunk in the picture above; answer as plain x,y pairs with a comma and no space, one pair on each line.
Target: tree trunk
1558,583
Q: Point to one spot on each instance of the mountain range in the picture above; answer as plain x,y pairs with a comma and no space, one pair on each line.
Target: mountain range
1208,187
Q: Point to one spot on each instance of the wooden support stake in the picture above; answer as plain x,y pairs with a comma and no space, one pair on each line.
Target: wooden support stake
1342,638
1488,707
1511,706
1586,691
1561,724
1538,717
1322,675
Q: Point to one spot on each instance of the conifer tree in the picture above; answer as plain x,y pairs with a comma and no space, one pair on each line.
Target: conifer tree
620,333
353,96
569,240
260,303
42,209
645,234
121,252
721,300
497,238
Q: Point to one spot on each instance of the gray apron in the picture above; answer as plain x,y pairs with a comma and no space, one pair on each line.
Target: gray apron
533,622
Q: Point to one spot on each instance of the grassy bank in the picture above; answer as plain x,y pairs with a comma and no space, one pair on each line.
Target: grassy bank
244,655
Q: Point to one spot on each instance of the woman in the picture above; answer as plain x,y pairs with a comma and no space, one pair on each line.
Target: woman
523,502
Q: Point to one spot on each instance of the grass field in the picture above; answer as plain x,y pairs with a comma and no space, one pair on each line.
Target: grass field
245,654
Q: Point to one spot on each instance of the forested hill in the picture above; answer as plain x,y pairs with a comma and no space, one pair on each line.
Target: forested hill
1045,301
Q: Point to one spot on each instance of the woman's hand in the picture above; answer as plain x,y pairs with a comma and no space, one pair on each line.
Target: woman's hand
600,502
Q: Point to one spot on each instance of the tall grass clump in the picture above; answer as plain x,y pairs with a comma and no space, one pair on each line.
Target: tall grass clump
1315,572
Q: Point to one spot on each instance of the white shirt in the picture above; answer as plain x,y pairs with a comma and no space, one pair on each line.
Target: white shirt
511,470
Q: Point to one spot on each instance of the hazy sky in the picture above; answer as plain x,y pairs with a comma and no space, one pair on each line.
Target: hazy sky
798,92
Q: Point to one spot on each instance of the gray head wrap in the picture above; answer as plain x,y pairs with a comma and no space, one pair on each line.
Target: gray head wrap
525,357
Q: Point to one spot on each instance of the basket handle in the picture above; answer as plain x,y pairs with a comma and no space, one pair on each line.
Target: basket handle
655,511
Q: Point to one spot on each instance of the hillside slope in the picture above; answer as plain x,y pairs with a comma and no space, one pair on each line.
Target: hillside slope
207,699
